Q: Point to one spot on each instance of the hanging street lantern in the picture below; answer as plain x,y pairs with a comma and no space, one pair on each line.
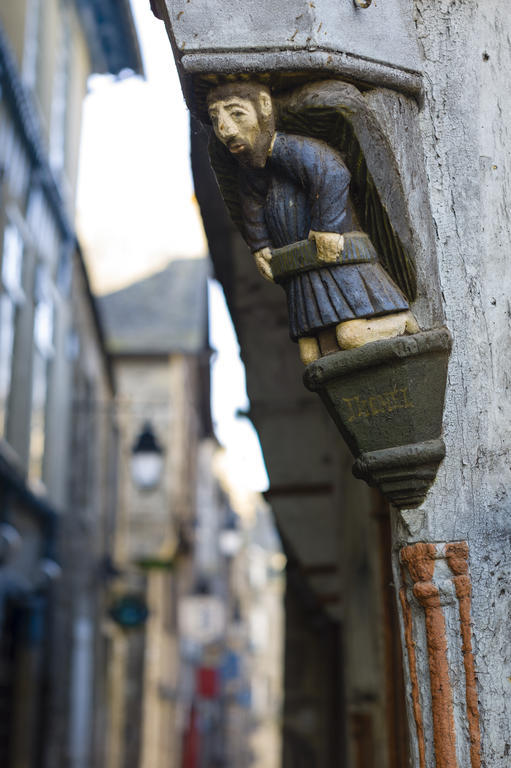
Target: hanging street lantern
129,611
146,460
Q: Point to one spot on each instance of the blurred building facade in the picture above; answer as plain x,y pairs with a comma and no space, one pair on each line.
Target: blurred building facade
157,333
57,433
232,628
98,562
180,682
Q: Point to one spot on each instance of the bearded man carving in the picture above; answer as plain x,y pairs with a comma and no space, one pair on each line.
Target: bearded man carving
294,188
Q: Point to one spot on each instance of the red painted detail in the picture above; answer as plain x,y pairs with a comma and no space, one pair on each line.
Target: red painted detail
207,683
190,757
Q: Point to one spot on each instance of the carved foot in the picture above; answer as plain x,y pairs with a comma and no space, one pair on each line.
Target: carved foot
356,333
412,326
309,349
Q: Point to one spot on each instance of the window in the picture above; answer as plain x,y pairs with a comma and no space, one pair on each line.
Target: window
31,44
60,97
44,232
43,352
43,228
14,161
11,297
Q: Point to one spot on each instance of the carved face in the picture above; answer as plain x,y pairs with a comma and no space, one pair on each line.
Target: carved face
243,122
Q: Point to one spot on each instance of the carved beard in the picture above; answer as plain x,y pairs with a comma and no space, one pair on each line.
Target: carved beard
256,155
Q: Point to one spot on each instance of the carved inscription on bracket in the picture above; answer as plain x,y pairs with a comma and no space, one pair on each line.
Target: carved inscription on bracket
433,575
375,405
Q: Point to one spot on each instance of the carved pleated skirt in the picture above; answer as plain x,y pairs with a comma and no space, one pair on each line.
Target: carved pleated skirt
321,298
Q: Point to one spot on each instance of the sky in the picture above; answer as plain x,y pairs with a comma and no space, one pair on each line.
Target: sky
135,138
136,210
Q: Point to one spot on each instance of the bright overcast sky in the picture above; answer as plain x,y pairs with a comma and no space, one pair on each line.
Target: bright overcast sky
135,138
136,210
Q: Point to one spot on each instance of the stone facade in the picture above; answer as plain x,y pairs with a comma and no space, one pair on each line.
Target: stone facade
57,434
190,683
162,373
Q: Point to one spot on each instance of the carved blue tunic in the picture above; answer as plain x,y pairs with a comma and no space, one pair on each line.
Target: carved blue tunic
305,185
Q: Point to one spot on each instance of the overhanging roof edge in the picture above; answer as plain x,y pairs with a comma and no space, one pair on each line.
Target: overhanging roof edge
111,35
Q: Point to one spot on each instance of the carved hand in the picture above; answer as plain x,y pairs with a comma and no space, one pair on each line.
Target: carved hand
263,263
328,244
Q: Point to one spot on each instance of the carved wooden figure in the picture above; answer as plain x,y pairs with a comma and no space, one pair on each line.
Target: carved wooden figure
293,204
312,183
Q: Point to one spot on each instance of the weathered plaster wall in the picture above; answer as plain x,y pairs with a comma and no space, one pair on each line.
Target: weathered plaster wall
297,25
464,124
452,147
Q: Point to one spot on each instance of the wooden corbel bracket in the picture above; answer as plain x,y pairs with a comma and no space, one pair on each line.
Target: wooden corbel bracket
387,399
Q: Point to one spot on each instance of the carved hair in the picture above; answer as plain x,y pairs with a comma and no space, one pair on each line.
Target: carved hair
244,89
